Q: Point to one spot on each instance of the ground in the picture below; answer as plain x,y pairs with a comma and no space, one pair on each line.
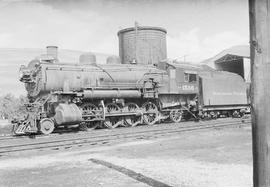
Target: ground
217,157
5,127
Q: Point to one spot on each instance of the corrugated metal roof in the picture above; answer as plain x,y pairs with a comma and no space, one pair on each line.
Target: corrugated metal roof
189,65
242,51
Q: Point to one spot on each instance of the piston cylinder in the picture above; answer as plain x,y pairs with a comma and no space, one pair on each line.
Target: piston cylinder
67,114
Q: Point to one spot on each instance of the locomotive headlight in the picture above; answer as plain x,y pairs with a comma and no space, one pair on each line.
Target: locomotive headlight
24,74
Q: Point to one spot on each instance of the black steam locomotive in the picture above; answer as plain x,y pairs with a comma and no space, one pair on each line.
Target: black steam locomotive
93,95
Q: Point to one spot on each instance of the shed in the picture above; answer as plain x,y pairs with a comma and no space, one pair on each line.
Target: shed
235,59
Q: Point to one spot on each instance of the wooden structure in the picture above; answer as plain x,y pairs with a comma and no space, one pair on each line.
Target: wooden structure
260,76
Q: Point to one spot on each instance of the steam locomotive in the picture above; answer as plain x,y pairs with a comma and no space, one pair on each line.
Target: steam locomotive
92,95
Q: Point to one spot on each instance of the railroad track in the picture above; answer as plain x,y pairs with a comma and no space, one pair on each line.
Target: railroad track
71,132
108,136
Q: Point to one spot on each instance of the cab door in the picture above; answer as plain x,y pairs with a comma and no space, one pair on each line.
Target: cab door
172,82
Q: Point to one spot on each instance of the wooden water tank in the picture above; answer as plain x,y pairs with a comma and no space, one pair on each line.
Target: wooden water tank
142,45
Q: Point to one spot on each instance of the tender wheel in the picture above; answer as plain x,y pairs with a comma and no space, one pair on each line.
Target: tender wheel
214,115
112,122
206,116
150,113
176,115
132,120
236,114
91,110
46,126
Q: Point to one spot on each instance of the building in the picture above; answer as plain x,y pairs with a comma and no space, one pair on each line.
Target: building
235,59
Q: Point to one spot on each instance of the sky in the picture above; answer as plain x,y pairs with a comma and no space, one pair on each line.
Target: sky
197,29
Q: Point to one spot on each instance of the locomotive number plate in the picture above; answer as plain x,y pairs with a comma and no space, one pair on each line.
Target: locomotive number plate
188,87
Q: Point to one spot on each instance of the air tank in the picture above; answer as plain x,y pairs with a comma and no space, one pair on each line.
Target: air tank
142,45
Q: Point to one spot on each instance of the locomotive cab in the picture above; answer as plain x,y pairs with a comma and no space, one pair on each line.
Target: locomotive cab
183,77
181,91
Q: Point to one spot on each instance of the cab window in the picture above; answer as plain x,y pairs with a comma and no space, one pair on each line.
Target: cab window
189,77
192,78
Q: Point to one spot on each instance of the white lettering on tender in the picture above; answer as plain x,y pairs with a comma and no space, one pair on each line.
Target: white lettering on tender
229,93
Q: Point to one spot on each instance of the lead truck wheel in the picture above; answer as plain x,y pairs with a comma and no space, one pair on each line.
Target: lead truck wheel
46,126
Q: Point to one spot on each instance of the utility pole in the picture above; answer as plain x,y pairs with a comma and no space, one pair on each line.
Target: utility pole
136,41
259,17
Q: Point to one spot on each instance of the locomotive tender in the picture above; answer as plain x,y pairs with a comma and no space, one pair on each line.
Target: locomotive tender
109,95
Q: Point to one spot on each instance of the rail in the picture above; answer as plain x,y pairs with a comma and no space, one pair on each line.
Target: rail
110,136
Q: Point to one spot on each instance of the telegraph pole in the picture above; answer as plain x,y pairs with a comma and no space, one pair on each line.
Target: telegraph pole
259,17
136,41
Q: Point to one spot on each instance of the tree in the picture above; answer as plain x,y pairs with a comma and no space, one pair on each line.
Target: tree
11,107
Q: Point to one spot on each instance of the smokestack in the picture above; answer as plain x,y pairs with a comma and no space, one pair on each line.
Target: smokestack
52,51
